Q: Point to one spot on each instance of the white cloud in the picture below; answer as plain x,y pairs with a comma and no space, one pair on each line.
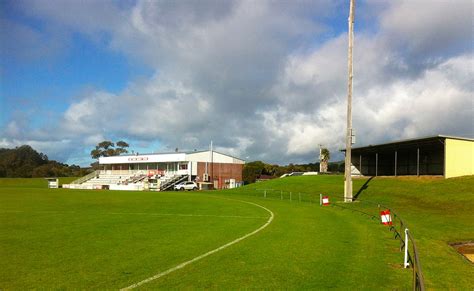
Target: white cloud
255,77
429,27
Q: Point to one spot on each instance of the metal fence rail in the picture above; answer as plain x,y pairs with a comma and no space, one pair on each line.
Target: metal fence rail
398,226
418,280
407,243
85,178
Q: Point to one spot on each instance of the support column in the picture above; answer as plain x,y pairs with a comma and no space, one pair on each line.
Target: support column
418,162
444,159
360,164
376,164
395,163
190,171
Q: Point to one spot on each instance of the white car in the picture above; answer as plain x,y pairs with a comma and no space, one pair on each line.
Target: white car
186,186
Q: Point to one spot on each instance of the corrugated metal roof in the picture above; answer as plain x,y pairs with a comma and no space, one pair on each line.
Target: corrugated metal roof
412,140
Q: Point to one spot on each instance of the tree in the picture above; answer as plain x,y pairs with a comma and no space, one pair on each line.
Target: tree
107,148
26,162
121,147
252,170
325,156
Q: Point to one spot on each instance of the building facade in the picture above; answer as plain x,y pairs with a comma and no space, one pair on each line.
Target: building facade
221,170
441,155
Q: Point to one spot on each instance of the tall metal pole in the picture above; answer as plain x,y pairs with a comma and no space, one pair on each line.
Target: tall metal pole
348,161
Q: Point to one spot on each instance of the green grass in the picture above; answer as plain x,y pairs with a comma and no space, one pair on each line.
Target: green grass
85,239
437,212
31,182
73,239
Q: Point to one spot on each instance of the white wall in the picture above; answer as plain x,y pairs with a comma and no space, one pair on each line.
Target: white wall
178,157
153,158
217,158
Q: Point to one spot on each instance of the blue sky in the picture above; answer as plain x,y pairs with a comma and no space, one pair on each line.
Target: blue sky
263,80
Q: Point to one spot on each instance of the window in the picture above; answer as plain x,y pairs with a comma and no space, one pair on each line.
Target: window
183,166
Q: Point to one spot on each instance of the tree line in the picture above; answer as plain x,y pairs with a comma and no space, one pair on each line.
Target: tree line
25,162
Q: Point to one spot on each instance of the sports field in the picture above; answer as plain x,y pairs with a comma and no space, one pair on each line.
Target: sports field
78,239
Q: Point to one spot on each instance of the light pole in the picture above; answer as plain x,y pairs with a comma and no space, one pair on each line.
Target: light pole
347,172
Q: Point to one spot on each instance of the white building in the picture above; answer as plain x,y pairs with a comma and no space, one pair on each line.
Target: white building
136,172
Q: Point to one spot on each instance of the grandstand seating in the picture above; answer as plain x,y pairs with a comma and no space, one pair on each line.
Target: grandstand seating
106,179
100,179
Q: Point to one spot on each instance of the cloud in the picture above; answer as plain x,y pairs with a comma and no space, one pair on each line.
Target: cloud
263,80
17,41
429,27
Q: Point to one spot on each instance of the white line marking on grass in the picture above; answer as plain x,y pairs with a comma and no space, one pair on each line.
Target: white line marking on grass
38,212
138,213
182,265
185,215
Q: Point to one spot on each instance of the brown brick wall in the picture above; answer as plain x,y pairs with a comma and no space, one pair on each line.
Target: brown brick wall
221,172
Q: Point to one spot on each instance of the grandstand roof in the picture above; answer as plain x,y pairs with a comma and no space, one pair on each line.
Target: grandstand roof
412,141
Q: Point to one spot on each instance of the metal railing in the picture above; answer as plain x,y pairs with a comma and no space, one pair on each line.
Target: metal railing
397,226
86,177
418,280
168,184
292,196
401,232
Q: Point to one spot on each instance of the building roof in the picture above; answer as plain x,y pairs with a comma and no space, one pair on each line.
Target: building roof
171,153
217,152
413,141
161,157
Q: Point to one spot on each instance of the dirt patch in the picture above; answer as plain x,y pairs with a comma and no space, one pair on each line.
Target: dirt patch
396,266
466,249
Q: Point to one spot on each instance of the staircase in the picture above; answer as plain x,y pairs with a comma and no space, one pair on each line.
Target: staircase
86,178
168,183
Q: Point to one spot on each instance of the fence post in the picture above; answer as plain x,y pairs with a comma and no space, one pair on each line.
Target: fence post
406,264
320,199
265,193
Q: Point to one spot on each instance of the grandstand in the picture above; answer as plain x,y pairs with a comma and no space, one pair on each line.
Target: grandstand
161,171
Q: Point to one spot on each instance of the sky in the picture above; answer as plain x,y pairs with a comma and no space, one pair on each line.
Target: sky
264,80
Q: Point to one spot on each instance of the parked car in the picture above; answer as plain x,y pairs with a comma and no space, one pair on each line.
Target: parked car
186,186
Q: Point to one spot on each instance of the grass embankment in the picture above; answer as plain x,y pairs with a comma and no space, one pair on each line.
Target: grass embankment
59,238
437,212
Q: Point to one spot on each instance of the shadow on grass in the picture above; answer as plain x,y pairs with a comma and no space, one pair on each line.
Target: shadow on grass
372,216
362,188
354,199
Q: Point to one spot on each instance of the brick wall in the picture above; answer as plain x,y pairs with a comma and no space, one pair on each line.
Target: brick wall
221,172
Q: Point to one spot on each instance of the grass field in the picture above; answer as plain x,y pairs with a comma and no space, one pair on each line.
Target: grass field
437,212
78,239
